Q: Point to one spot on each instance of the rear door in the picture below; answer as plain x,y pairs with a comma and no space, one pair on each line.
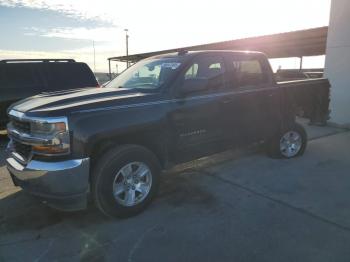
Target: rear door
252,109
197,127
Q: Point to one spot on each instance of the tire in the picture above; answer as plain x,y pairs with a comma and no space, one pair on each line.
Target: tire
114,188
289,143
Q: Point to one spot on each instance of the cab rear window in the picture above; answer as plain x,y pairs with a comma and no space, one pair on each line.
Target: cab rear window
248,71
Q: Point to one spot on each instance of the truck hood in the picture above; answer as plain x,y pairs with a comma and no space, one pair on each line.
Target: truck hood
66,102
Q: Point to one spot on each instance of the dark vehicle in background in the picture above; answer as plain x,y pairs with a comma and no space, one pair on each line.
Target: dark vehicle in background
24,78
111,143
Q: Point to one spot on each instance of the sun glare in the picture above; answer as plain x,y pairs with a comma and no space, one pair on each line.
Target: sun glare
157,25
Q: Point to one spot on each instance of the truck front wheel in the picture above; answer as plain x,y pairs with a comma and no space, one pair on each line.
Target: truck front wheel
289,143
125,180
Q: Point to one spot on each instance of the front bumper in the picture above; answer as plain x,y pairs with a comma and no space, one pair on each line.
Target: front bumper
62,185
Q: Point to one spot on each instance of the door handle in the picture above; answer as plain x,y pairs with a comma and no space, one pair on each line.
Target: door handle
226,101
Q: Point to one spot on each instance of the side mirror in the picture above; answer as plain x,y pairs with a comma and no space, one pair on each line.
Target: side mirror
193,85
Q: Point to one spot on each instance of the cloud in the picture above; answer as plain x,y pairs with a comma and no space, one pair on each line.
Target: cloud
98,34
92,10
101,25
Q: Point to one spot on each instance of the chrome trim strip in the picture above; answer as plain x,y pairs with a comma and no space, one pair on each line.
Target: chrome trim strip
48,120
124,106
35,169
16,114
16,165
176,100
18,157
54,166
27,139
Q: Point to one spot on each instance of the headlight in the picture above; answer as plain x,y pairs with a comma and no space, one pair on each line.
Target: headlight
57,135
42,128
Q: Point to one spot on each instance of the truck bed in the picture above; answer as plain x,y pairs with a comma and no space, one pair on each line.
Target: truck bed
309,98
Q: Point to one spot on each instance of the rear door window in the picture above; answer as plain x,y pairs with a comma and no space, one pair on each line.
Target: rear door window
247,71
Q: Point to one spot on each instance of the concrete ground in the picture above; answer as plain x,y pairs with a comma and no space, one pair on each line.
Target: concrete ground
225,208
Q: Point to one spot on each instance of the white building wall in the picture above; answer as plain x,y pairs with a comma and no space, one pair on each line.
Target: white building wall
337,66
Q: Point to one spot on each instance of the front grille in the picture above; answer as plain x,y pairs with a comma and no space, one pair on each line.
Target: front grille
22,149
21,126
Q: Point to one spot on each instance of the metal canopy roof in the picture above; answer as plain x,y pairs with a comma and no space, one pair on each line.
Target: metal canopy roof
309,42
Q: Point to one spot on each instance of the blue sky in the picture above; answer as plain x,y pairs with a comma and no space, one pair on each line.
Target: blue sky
24,29
66,28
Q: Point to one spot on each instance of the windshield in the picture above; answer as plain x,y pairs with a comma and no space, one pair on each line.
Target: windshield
147,74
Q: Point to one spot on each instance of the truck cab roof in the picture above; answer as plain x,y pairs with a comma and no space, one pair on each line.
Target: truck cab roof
188,54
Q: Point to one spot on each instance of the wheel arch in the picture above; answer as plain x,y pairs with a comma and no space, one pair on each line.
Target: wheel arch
154,142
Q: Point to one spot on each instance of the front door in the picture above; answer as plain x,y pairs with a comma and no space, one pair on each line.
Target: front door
196,117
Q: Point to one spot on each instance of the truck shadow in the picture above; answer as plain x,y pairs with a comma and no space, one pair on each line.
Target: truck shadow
20,212
179,187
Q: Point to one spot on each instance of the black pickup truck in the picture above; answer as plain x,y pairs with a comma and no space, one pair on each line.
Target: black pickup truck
111,143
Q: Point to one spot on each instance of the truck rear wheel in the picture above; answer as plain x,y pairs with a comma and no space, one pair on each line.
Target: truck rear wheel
289,143
125,180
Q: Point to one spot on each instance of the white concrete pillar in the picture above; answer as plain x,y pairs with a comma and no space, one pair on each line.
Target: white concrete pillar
337,66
